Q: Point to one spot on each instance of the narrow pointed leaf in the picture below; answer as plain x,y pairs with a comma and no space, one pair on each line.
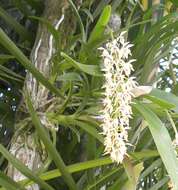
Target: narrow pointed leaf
166,96
8,183
23,169
89,129
163,142
101,24
160,183
50,147
14,50
90,164
89,69
23,33
79,20
133,173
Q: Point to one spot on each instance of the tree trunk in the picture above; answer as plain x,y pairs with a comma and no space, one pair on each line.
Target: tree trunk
24,144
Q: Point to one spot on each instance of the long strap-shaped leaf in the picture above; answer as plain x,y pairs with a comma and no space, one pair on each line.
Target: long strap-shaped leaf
146,154
23,169
163,142
14,50
101,24
67,120
49,146
79,20
23,33
8,183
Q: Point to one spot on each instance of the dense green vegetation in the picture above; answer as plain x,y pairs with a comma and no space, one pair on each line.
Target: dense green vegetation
58,43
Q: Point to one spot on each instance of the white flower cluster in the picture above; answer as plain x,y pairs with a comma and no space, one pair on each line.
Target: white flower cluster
117,97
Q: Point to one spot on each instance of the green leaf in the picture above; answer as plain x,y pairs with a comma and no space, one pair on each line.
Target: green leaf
90,164
72,76
160,101
49,26
72,120
162,141
72,169
23,7
23,33
155,164
133,173
100,25
49,146
114,174
175,2
14,50
4,58
144,154
79,19
166,96
101,181
89,69
8,183
88,13
23,169
160,183
7,73
89,129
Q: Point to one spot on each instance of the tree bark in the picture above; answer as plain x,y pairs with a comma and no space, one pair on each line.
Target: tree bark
24,144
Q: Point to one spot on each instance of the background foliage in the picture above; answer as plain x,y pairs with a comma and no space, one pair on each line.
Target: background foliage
152,27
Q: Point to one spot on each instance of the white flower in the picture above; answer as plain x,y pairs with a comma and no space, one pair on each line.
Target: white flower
118,88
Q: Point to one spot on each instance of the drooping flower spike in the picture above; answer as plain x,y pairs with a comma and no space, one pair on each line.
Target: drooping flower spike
118,95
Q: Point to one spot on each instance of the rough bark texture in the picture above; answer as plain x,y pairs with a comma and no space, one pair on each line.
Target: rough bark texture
24,144
44,49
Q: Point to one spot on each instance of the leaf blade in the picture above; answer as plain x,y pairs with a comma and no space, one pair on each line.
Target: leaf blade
49,146
160,135
23,169
14,50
